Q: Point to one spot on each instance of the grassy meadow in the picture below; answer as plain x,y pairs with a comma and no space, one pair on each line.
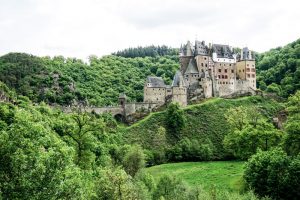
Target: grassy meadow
224,175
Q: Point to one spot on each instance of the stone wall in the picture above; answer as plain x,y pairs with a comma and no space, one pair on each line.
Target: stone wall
179,95
154,95
207,87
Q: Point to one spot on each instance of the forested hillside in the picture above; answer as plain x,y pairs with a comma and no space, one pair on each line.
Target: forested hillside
68,80
279,69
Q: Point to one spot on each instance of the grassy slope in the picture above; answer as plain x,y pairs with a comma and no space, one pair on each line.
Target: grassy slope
224,175
204,121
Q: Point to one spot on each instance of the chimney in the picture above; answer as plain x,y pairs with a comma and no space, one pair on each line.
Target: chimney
250,55
242,57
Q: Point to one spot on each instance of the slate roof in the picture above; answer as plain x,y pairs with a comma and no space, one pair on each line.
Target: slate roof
156,81
223,51
178,80
192,67
187,50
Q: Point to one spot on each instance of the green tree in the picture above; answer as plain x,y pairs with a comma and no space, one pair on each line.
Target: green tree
34,161
170,188
81,129
114,184
175,119
134,160
292,126
237,117
270,173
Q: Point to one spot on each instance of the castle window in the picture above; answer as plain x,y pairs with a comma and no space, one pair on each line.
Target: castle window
247,65
226,76
232,71
225,70
239,70
222,76
204,58
248,69
248,75
243,70
253,70
229,64
219,76
219,70
253,75
220,64
252,65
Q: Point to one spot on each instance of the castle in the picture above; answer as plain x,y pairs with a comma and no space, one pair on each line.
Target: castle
205,71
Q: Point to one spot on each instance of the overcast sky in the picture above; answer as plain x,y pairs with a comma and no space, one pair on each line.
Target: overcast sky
79,28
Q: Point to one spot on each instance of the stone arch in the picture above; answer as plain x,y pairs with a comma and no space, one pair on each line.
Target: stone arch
119,117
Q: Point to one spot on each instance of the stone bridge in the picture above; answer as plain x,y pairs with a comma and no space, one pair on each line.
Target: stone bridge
122,111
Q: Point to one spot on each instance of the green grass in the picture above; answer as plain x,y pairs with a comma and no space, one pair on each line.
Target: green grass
224,175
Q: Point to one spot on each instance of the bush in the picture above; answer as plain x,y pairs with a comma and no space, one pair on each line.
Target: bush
274,174
134,160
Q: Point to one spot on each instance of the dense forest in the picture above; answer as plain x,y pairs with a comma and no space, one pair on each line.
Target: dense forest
48,154
279,69
67,80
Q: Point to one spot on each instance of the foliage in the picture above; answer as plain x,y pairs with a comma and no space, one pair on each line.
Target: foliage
175,119
191,150
114,184
68,81
34,161
134,160
205,123
274,174
150,51
250,131
278,70
292,126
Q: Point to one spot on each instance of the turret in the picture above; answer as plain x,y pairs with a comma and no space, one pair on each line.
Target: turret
122,99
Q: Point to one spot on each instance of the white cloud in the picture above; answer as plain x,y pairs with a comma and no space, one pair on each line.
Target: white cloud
84,27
